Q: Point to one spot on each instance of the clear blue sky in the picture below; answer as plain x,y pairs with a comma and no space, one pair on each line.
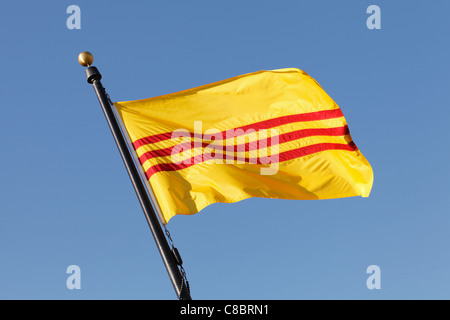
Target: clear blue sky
66,199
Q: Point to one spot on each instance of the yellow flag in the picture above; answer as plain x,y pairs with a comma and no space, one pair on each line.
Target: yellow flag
270,134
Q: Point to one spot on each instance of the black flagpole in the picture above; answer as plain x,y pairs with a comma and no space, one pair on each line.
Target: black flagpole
170,261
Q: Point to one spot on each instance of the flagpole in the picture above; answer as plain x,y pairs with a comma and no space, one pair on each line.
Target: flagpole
93,77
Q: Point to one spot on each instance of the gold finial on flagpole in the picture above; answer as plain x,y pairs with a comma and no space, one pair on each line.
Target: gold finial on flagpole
85,59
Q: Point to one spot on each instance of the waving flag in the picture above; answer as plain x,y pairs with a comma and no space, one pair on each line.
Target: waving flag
271,134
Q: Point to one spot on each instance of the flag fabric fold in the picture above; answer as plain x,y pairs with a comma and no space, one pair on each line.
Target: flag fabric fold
272,134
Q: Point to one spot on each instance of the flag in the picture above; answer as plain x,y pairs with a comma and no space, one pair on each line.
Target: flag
271,134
